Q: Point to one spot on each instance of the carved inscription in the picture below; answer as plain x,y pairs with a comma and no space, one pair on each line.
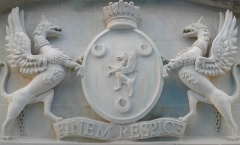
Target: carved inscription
104,131
84,128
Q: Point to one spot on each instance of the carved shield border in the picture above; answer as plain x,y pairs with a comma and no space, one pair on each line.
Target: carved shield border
149,108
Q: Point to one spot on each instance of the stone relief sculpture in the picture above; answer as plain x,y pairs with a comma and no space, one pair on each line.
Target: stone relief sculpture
129,95
194,67
121,19
137,57
126,66
47,67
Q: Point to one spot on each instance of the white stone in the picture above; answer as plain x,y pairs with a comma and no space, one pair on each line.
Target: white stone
46,67
162,21
122,56
194,68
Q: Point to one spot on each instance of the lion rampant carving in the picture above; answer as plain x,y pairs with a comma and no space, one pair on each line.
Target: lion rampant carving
126,66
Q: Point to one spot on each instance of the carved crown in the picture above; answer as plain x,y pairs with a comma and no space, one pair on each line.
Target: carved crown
121,15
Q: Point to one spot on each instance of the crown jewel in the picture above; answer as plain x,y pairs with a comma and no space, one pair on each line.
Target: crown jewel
121,15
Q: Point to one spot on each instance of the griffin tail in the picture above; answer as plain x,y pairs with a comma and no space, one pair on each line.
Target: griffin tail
235,95
4,94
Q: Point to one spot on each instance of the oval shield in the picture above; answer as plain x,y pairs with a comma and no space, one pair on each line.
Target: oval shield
123,75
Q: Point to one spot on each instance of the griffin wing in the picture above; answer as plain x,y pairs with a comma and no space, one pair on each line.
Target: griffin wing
131,64
222,49
19,46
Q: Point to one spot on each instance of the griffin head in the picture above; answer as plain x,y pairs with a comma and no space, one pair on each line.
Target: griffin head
195,29
47,28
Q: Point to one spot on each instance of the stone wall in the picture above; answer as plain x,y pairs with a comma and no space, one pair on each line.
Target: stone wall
162,20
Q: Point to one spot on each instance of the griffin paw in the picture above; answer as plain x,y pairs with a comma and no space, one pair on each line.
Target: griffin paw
130,95
80,72
78,67
182,119
111,72
165,76
232,138
80,61
169,69
6,137
116,88
109,66
58,119
175,65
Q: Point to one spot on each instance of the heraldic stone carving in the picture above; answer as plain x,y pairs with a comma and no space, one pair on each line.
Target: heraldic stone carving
122,75
130,55
122,40
194,67
126,66
47,67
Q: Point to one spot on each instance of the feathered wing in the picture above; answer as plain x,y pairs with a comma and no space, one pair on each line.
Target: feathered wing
19,46
131,64
221,51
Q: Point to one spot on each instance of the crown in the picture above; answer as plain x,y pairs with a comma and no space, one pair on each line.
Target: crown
121,15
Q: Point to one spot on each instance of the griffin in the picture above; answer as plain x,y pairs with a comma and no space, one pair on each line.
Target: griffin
47,67
194,68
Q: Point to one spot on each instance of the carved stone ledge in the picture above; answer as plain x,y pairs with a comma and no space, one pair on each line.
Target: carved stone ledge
233,5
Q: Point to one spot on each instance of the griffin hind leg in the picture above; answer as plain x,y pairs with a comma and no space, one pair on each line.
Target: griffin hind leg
14,109
231,122
193,99
226,111
47,100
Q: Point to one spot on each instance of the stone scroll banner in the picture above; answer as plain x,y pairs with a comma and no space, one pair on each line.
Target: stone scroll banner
80,126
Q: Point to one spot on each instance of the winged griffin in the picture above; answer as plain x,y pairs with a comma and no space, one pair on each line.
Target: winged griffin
194,68
126,66
47,67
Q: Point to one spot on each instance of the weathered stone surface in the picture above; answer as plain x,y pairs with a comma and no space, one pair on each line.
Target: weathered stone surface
163,21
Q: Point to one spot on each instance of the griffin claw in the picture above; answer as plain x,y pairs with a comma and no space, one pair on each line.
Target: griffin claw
232,138
117,88
80,72
6,137
58,119
111,72
165,76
